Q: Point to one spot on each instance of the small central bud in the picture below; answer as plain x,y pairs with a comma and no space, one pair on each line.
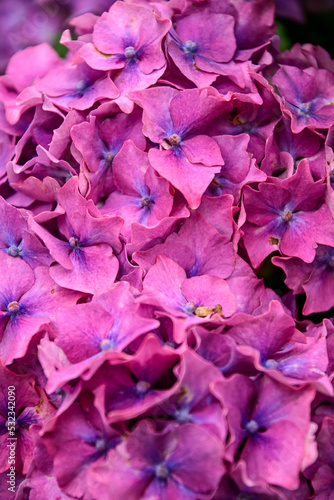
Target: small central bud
161,471
190,307
81,86
109,157
106,344
287,215
183,415
13,251
190,46
13,307
305,107
146,201
142,386
100,444
73,242
174,140
252,426
271,364
130,52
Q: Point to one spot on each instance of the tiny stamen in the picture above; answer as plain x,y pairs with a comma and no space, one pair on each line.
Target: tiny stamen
73,242
130,52
252,426
190,46
13,251
109,157
161,471
305,107
271,364
142,386
174,139
13,307
287,215
146,201
106,344
190,307
183,415
100,444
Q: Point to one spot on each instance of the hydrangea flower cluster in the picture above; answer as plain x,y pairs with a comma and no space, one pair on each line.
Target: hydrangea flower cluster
144,180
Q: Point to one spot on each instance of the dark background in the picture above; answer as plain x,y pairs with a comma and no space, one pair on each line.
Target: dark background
318,30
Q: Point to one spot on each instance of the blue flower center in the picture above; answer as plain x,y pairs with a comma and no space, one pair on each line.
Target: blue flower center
73,242
190,307
146,202
108,156
13,307
101,445
142,387
81,86
271,364
286,215
182,415
174,140
190,46
14,251
252,427
305,107
106,344
130,52
161,471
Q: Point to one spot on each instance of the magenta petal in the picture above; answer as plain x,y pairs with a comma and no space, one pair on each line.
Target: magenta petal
202,149
13,334
191,179
82,329
36,308
189,69
94,270
127,482
206,32
267,333
258,244
34,62
137,385
209,105
197,460
163,282
208,291
311,227
13,289
156,115
276,459
132,79
58,249
129,324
